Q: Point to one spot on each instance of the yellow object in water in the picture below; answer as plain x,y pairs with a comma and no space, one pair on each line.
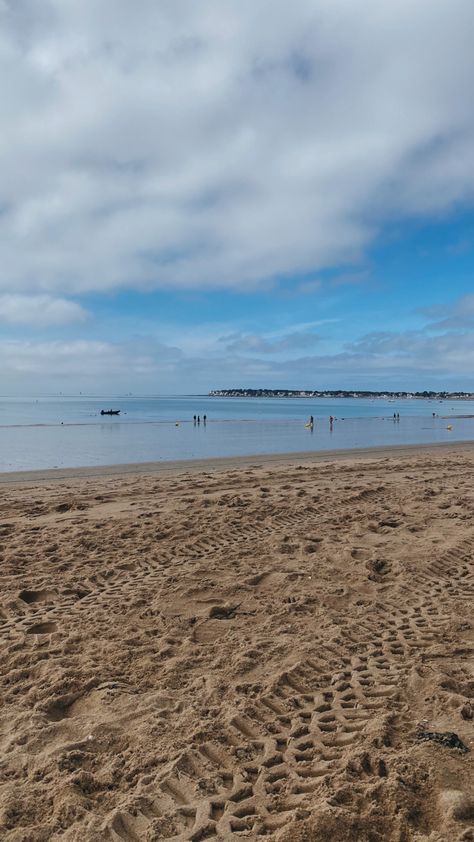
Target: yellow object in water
308,425
449,427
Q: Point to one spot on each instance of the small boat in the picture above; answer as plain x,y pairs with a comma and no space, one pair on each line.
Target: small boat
110,411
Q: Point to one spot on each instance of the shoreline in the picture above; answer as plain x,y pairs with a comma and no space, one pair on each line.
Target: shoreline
219,463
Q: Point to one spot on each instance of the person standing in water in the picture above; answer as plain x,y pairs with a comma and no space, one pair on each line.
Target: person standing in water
204,418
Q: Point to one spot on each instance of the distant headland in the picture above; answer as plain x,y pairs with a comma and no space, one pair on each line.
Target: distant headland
337,393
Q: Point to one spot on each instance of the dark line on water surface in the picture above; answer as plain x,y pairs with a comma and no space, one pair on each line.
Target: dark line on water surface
318,421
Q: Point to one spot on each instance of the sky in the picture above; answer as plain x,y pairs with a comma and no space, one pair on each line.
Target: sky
209,195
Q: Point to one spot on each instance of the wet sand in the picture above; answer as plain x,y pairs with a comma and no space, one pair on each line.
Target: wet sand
239,649
190,466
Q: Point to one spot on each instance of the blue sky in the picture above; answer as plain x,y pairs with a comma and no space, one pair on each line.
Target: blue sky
206,196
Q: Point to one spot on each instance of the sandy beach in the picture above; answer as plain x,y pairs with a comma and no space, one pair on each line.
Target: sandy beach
275,648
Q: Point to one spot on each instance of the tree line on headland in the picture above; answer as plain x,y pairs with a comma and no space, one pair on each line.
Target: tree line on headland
335,393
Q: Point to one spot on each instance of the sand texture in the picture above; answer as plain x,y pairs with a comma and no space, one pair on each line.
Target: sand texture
241,653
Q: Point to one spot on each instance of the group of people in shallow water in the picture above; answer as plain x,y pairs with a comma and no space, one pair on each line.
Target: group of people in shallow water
197,419
310,423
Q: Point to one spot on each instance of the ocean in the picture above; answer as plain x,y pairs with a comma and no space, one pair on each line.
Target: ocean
60,432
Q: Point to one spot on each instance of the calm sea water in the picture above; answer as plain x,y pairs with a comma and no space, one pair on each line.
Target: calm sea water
69,432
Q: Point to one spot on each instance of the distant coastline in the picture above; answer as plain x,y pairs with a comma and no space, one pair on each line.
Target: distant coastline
337,393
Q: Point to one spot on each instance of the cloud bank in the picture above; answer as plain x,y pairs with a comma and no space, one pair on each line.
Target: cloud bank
39,310
211,145
424,358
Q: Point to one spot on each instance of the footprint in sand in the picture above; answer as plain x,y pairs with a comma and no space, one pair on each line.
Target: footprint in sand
31,597
42,628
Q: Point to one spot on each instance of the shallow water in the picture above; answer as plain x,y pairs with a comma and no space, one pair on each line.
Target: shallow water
38,433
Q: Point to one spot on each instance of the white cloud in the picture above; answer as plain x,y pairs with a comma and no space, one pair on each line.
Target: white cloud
216,145
39,310
87,363
459,315
251,343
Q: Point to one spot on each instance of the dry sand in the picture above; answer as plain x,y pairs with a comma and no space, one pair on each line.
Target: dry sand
240,652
